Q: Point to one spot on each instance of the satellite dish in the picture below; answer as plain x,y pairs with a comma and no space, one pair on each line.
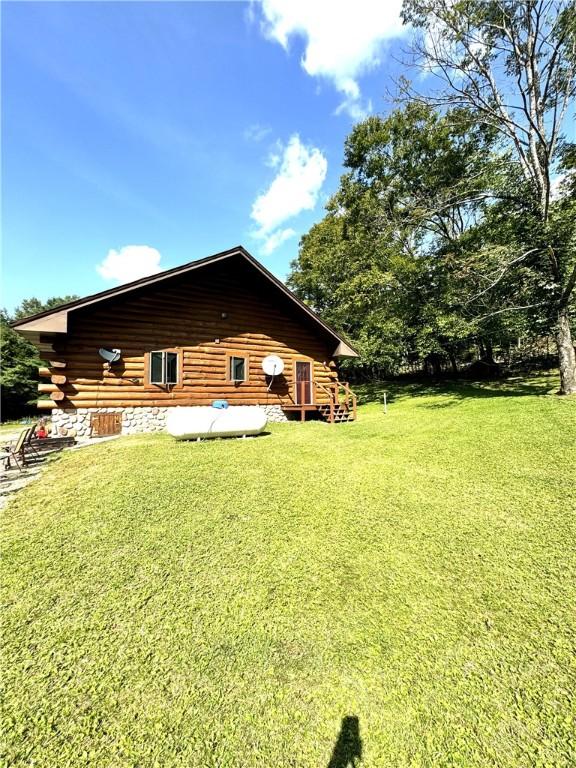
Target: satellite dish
110,355
273,365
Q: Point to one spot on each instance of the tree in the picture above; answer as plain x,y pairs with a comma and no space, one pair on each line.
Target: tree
18,373
351,279
33,305
389,263
512,64
19,359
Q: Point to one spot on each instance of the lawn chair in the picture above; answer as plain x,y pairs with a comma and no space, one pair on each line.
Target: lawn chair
19,450
28,443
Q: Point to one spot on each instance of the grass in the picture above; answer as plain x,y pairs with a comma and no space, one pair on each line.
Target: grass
10,427
241,603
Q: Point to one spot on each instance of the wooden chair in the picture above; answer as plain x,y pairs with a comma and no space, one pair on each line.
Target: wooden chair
19,450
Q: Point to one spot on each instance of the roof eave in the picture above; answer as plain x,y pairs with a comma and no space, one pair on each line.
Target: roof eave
344,350
56,320
127,287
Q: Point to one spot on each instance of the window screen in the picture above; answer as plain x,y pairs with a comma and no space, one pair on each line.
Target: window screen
156,368
171,368
163,368
238,368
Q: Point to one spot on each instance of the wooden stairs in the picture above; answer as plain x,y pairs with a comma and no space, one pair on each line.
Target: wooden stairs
340,413
339,408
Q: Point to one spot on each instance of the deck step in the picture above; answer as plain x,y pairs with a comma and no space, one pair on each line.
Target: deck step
341,413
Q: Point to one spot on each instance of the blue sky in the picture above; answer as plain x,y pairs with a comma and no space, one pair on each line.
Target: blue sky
137,136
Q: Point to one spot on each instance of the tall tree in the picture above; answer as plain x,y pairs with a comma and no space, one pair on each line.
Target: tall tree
390,263
512,63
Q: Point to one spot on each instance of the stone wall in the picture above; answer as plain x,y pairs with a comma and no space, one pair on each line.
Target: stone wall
71,422
76,422
274,413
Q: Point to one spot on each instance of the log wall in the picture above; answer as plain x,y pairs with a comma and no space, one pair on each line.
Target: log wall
204,316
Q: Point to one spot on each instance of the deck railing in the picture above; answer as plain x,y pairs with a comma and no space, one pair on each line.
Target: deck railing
340,394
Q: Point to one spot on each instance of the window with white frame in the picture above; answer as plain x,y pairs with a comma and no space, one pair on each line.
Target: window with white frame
163,368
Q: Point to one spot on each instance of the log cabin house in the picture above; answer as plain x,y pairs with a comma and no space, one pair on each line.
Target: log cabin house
187,336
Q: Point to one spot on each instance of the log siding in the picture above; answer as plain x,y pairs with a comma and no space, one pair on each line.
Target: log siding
206,317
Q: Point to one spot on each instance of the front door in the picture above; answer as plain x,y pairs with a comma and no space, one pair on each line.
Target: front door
303,383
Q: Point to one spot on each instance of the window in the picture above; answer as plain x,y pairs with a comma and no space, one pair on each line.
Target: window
163,368
237,368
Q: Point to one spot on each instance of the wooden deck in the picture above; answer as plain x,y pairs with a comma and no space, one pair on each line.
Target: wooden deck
339,408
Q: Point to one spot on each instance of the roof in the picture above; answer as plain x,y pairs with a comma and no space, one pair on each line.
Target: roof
55,320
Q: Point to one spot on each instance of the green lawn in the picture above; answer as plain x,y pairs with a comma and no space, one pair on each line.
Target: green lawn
13,427
229,603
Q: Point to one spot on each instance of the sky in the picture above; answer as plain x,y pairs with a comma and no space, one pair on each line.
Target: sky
138,136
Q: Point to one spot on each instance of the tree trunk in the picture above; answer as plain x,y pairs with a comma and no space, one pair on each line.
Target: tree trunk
453,363
488,351
436,364
566,354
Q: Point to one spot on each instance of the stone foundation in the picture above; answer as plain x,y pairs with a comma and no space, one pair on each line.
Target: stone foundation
274,413
75,422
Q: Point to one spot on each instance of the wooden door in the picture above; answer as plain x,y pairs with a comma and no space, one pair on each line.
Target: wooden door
106,424
303,382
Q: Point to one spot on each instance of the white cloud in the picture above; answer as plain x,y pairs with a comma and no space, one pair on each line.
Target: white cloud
437,43
295,189
343,39
273,160
274,157
256,132
355,108
558,187
130,263
275,240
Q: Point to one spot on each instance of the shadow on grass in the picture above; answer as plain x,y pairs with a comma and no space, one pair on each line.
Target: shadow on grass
348,747
215,438
456,391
